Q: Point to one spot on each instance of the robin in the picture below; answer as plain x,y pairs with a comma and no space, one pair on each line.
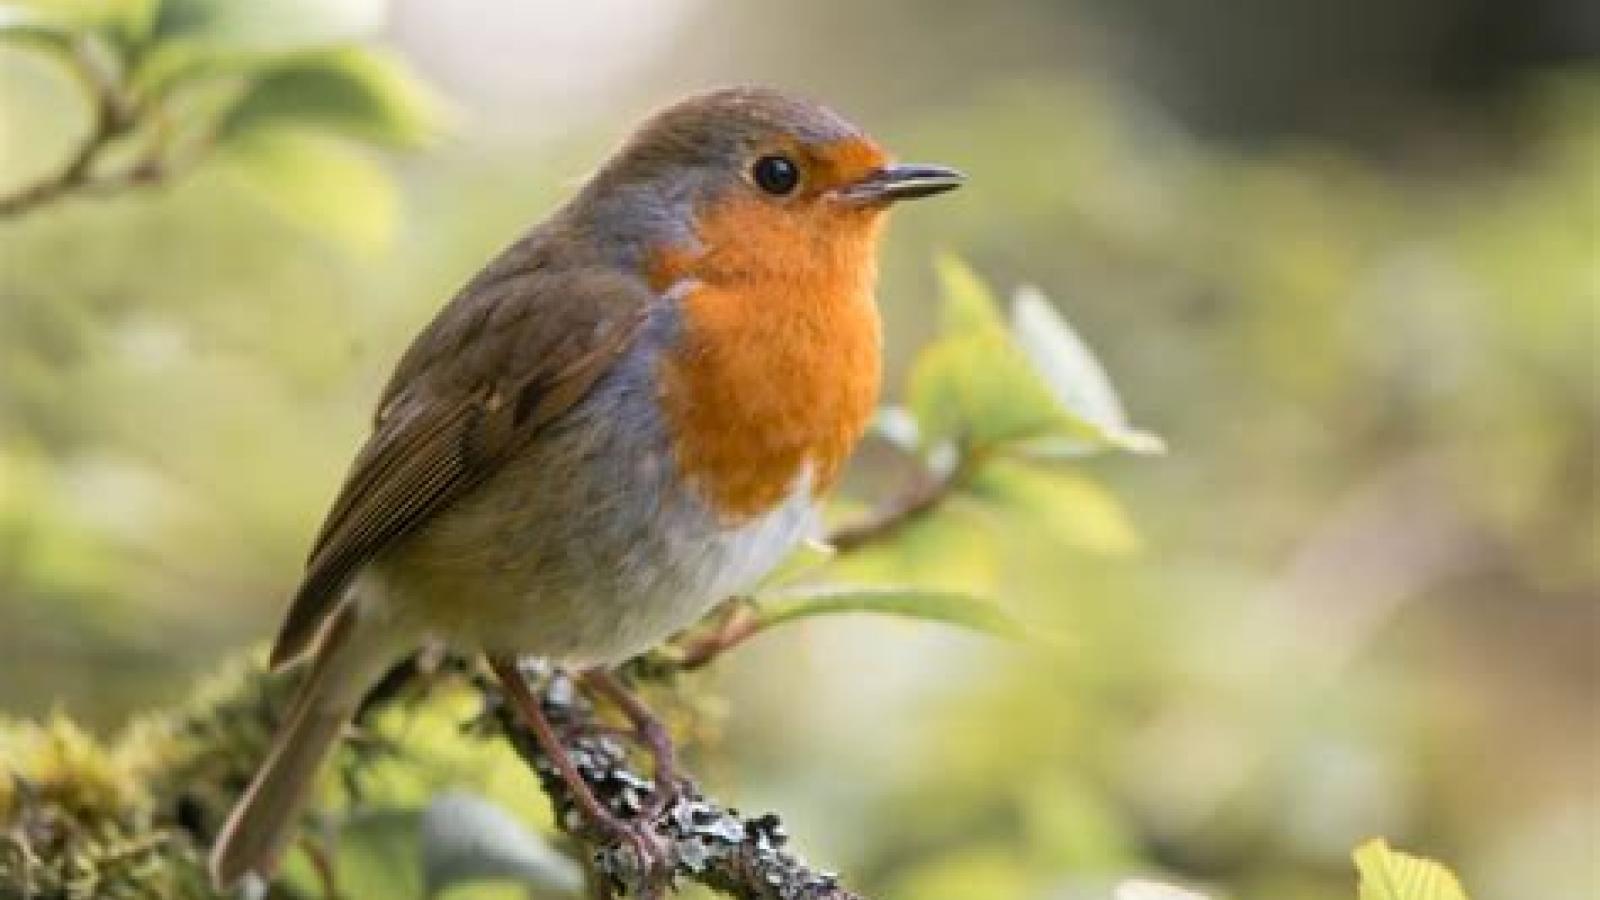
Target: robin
630,414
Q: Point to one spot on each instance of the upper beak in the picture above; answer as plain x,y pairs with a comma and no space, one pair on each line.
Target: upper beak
904,181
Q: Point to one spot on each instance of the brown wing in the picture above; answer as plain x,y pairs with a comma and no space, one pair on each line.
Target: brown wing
512,352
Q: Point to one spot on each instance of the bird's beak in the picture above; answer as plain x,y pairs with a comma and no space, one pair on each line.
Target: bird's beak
905,181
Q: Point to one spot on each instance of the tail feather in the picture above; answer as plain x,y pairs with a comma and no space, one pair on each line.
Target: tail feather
267,814
265,817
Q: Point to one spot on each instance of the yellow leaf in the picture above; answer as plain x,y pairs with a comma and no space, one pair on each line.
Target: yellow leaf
1390,875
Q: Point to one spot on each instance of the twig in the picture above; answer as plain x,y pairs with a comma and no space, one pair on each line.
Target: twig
739,623
745,857
927,491
114,115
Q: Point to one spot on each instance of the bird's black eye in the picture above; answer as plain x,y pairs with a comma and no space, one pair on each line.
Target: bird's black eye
775,174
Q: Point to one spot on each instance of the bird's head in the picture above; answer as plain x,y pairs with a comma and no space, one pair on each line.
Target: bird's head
750,179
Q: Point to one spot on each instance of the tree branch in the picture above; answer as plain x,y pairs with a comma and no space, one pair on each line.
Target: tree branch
706,843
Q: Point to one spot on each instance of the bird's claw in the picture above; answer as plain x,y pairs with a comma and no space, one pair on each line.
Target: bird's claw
664,795
637,857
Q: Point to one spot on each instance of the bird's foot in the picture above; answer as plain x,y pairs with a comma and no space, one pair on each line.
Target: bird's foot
637,857
649,731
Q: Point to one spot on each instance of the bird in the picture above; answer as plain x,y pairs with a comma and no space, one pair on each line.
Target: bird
631,413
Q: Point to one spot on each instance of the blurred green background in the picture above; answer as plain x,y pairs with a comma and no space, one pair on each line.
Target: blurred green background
1345,258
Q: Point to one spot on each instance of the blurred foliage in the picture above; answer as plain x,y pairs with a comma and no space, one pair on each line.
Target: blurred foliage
1357,596
258,89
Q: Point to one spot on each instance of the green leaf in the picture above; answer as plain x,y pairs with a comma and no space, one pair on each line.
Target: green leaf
269,25
976,388
133,19
971,385
162,67
362,93
982,384
1071,372
109,16
1071,508
949,607
955,548
318,182
58,21
969,307
1390,875
25,25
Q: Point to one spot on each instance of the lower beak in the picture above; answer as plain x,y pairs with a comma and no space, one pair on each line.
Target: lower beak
902,182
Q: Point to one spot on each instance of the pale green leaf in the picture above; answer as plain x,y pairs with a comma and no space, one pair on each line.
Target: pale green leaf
967,305
321,183
25,25
955,548
269,25
1391,875
949,607
1071,372
138,17
197,39
169,62
361,93
977,389
130,21
57,21
982,385
1068,506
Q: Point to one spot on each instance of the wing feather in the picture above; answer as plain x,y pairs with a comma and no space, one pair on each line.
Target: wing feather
452,414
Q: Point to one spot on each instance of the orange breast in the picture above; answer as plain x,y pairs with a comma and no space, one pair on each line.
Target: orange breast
778,367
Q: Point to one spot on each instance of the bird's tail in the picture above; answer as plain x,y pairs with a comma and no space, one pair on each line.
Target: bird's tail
348,660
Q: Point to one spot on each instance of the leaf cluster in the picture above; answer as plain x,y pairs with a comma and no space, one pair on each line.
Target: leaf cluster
279,94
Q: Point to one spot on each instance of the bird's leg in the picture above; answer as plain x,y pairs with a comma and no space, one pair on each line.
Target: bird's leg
527,705
645,844
650,732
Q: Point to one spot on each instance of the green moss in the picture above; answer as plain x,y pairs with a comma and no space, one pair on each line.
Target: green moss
132,819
